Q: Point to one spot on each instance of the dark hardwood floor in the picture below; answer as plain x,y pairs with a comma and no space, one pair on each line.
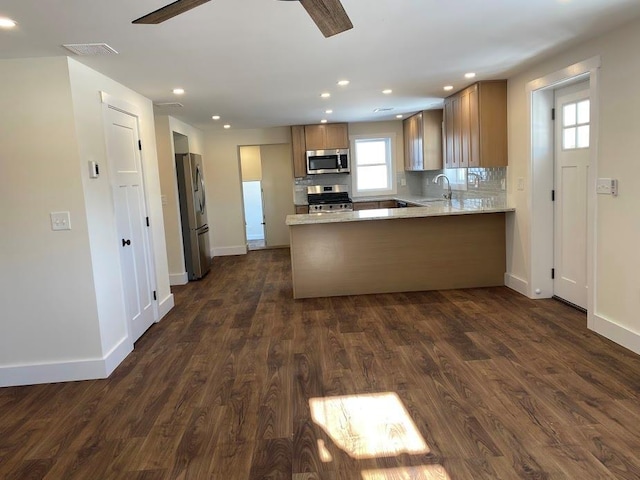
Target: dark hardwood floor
472,384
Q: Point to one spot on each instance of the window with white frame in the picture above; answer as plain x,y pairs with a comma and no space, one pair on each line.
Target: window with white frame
372,165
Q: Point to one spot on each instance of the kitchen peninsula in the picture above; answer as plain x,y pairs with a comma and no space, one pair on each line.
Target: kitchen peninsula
439,245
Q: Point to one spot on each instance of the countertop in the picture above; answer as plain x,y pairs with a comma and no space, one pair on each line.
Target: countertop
427,208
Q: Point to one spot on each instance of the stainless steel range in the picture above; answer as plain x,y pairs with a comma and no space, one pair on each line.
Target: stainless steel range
329,199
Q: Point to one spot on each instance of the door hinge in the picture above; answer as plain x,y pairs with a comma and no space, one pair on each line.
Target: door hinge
147,221
553,114
553,195
139,144
553,274
155,295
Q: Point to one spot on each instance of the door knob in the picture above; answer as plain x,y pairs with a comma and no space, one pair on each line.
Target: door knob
126,242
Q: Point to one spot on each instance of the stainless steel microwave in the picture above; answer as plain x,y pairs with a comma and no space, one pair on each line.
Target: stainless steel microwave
328,161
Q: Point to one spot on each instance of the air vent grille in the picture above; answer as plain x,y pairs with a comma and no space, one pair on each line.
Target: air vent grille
86,49
168,105
383,109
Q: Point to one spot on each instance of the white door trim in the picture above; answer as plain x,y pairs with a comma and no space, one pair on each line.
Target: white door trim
539,101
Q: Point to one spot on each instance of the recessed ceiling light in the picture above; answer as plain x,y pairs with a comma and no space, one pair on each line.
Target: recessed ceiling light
325,95
399,116
227,126
216,117
323,120
469,75
448,88
178,91
388,91
7,23
343,83
328,112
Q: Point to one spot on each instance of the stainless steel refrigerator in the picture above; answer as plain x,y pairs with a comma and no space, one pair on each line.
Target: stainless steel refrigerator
193,212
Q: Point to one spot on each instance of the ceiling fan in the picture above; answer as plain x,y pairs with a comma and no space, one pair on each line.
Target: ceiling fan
328,15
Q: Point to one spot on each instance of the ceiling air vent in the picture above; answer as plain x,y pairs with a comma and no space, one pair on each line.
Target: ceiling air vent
168,105
86,49
383,109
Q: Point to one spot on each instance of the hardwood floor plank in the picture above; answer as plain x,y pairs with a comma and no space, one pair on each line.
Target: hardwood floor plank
498,386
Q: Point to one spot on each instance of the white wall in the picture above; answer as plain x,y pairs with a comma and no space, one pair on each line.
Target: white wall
617,229
49,309
165,126
224,184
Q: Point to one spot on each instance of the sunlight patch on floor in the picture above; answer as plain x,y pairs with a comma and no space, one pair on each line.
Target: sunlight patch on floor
368,426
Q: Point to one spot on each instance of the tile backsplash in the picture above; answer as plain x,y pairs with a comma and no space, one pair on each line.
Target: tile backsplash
466,183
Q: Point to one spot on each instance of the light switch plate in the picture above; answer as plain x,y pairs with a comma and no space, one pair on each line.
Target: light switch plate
60,221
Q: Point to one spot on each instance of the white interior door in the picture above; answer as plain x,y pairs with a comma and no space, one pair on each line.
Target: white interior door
572,134
277,194
125,164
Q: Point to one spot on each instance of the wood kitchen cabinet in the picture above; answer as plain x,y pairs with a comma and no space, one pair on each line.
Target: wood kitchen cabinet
299,151
326,136
475,126
423,141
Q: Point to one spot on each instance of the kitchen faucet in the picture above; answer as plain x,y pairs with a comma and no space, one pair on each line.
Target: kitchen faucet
443,176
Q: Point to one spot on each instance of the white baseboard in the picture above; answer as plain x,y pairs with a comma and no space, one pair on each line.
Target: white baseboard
178,278
616,333
72,371
117,355
165,306
227,251
516,283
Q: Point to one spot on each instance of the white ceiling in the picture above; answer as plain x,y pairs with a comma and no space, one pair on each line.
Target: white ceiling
263,63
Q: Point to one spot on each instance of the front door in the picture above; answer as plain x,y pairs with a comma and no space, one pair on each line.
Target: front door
125,164
572,133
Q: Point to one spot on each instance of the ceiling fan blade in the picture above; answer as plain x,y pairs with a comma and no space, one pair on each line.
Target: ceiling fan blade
328,15
169,11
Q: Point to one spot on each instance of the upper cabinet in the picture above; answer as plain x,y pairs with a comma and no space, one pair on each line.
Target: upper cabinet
315,137
423,141
475,126
326,136
299,151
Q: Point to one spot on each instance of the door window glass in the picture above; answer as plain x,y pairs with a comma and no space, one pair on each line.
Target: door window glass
575,125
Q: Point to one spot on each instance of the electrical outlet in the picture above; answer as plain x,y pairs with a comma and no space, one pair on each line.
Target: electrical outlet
520,184
60,221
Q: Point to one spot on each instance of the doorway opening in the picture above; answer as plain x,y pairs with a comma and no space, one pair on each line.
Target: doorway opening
267,192
253,214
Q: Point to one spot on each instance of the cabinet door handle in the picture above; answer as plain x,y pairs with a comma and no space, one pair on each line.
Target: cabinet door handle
126,242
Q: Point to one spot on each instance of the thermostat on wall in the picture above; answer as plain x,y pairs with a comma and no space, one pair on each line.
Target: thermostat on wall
94,170
607,186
